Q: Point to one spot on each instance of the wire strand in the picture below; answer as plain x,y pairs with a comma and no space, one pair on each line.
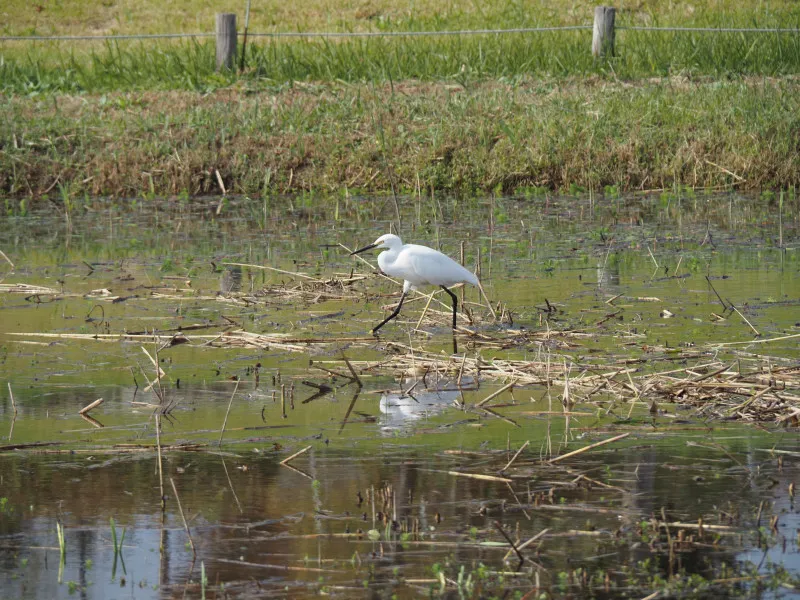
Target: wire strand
710,29
69,38
376,34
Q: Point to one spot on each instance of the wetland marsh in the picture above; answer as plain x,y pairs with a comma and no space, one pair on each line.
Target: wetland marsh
255,441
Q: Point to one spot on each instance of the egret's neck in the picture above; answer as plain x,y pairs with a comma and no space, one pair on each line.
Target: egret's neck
386,258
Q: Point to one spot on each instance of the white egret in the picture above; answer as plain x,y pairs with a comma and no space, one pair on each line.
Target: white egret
418,265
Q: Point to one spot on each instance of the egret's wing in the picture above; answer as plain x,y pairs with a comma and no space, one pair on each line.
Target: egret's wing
434,268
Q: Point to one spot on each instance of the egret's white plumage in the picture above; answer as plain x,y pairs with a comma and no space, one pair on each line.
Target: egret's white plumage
418,265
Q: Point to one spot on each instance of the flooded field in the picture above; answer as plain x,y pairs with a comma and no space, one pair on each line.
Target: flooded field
622,422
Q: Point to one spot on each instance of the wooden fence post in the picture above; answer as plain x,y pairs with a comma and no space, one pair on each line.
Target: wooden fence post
603,31
226,40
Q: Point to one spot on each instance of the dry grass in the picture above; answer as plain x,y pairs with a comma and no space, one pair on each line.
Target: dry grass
710,388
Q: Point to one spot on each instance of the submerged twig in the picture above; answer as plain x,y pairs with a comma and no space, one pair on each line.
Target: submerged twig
513,458
355,378
279,567
528,542
350,408
510,541
89,407
8,260
589,447
13,402
230,484
92,421
266,268
183,517
160,468
655,262
746,320
227,412
495,394
295,455
480,476
721,301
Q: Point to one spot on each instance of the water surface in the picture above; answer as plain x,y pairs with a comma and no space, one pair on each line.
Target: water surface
384,501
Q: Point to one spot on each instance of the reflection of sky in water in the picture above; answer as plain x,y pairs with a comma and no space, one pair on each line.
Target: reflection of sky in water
782,546
276,511
32,571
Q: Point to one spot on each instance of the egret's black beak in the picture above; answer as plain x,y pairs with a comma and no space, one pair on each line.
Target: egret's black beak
364,249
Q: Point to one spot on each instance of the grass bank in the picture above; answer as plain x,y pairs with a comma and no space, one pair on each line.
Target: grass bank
455,113
567,135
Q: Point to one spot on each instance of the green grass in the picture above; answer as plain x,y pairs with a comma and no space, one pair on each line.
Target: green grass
189,65
568,135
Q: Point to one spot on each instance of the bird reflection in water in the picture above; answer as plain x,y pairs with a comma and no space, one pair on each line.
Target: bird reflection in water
420,401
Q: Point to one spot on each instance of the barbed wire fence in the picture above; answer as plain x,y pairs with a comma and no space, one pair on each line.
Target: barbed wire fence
603,29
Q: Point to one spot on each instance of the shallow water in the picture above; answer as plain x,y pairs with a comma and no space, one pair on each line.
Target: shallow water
261,528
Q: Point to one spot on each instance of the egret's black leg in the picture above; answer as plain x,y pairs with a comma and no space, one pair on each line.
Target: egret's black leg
391,316
455,304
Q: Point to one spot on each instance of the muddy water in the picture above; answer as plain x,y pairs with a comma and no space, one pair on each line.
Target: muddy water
383,502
